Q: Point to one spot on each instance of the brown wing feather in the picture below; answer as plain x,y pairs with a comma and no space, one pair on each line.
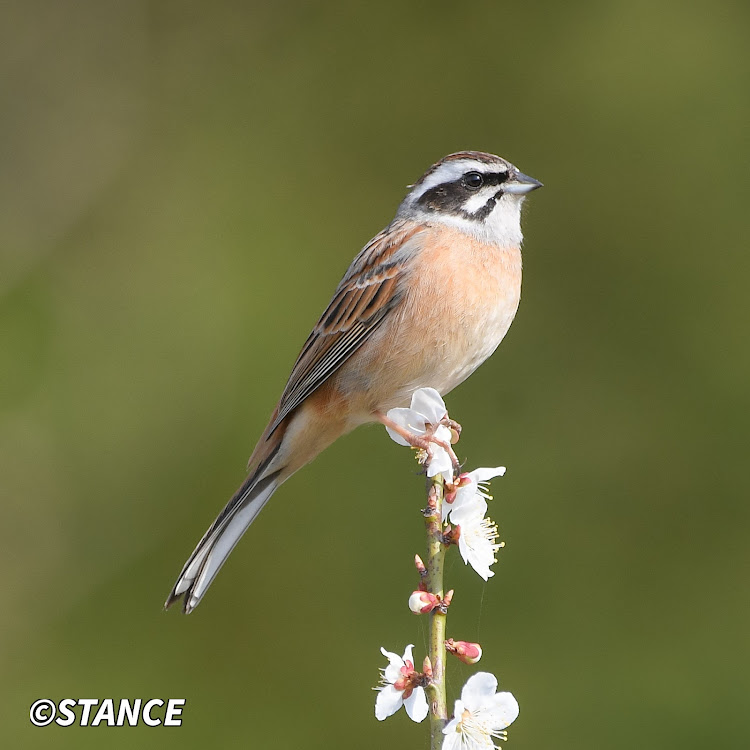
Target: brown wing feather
369,289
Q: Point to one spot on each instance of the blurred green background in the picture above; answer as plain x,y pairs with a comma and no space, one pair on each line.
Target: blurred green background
183,185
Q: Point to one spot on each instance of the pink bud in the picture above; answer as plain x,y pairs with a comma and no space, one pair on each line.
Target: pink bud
420,565
421,602
468,653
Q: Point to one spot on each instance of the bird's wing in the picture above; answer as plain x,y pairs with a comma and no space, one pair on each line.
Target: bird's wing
368,291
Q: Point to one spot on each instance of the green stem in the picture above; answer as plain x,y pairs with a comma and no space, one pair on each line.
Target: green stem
434,581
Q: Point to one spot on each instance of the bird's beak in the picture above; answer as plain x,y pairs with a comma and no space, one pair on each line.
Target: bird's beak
520,184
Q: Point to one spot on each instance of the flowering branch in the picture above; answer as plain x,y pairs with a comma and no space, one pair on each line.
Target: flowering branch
482,714
433,582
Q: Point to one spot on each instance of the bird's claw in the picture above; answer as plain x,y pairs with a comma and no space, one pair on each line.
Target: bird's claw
425,444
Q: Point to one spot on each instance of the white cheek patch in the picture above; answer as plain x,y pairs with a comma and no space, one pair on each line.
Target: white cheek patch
501,227
480,198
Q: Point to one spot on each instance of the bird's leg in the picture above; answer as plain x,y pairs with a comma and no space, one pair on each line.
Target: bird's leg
422,441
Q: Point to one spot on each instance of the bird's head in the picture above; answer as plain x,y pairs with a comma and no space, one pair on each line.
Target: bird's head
478,193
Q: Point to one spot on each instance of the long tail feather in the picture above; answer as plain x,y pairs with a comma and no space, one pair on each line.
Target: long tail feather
214,548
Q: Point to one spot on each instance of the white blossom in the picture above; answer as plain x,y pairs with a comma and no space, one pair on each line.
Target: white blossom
472,487
478,534
480,715
423,418
399,688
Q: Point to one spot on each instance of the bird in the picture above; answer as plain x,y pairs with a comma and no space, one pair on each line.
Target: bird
424,303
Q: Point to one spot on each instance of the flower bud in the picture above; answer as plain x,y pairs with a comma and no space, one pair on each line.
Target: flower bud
420,565
421,602
468,653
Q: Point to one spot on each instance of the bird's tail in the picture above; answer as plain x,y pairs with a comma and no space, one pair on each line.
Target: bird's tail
208,557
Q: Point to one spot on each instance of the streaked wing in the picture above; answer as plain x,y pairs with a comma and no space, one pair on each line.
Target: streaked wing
369,290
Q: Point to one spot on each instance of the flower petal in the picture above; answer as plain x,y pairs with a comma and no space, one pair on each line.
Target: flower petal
471,493
446,509
452,739
501,710
416,705
408,419
479,690
476,551
408,654
452,729
428,401
440,462
484,475
389,655
393,671
469,512
466,497
389,701
451,726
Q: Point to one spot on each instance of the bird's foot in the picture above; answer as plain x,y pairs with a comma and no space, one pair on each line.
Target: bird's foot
425,442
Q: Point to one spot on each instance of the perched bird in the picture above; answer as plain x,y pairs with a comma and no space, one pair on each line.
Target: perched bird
424,303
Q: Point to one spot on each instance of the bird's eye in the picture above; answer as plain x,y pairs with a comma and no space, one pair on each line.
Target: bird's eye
473,180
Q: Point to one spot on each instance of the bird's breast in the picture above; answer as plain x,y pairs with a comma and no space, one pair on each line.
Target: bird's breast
459,299
468,291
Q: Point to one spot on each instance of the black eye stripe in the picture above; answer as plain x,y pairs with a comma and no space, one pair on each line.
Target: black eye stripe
495,178
450,197
474,180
